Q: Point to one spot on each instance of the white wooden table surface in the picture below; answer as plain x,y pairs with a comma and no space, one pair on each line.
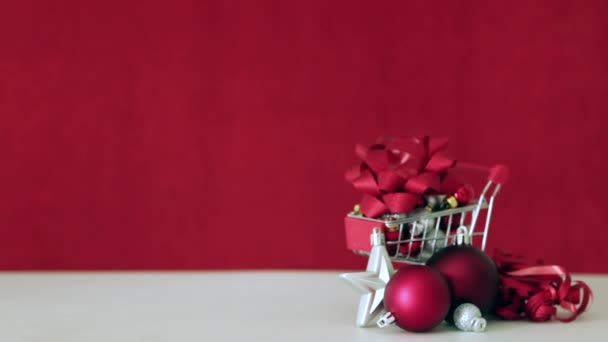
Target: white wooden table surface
231,306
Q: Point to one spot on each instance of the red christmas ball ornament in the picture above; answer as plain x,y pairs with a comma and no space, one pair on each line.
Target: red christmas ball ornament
464,194
412,249
445,222
417,298
471,274
391,235
392,232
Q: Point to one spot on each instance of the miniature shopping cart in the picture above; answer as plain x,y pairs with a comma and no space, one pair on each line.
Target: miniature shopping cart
414,238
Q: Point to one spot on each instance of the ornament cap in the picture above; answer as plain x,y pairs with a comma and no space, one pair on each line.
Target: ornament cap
462,236
377,237
478,324
452,202
385,320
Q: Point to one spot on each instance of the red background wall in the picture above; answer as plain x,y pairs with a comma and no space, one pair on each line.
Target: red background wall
215,134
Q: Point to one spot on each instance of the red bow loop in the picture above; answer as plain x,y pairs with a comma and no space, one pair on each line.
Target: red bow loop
439,163
400,202
367,183
390,181
372,206
422,183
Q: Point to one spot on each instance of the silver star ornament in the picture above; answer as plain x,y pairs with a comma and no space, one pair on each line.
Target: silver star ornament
372,282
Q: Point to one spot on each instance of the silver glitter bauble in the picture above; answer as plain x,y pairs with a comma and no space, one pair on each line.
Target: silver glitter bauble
420,226
467,317
434,240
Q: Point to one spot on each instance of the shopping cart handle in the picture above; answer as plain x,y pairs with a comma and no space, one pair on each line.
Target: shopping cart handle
499,174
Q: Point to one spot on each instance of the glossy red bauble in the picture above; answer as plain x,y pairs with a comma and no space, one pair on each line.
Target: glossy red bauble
464,194
471,274
393,236
418,297
411,250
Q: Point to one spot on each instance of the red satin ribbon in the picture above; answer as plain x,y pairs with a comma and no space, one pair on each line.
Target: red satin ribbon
535,290
396,172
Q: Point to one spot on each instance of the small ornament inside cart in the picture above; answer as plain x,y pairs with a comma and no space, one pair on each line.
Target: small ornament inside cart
413,200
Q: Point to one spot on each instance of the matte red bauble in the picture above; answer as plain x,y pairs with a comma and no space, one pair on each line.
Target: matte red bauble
417,297
471,275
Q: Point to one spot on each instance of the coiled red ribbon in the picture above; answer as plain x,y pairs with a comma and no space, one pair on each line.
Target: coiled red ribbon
395,172
535,290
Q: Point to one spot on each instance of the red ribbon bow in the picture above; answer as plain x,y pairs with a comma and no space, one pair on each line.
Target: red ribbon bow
396,172
534,290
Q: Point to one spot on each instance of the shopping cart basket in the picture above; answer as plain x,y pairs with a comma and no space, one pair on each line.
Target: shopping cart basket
421,234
